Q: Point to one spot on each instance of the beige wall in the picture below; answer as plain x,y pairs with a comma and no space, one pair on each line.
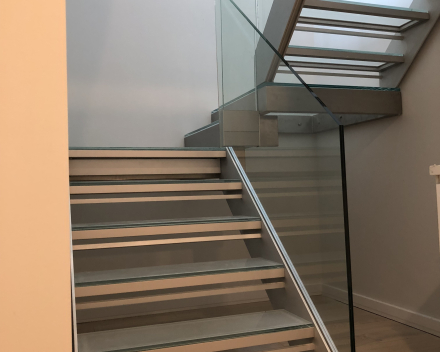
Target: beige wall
34,205
392,201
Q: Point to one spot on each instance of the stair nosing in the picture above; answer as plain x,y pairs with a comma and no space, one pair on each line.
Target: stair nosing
157,223
148,182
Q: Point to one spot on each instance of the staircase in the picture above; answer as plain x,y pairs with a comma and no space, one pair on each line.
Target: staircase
292,76
315,65
387,40
173,249
159,234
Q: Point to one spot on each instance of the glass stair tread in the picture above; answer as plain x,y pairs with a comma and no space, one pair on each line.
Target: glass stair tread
173,271
343,50
156,337
148,182
329,86
343,55
370,9
155,223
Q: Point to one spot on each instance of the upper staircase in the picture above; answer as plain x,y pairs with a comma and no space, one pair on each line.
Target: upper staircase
314,65
160,233
359,42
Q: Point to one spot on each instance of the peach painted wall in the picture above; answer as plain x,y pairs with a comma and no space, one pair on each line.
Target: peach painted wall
34,200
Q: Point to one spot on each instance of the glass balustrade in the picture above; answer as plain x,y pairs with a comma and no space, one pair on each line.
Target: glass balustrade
300,182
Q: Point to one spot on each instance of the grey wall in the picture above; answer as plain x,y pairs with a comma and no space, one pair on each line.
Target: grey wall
392,201
140,72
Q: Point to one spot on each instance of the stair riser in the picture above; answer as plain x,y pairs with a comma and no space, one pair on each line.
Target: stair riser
184,295
146,154
156,188
178,282
164,230
105,167
80,247
343,55
154,199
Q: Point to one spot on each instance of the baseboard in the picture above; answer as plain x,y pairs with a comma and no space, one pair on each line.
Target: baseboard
416,320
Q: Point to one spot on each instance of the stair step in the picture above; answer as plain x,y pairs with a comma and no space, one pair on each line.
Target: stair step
142,166
367,9
197,239
339,59
164,227
154,199
132,186
230,289
340,54
172,276
147,153
355,33
210,189
360,16
202,335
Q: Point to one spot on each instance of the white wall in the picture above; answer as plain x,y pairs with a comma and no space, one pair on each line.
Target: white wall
392,201
140,72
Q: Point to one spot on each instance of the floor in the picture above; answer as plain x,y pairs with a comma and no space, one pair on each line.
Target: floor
374,333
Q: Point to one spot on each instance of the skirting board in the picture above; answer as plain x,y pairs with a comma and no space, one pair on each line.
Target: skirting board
416,320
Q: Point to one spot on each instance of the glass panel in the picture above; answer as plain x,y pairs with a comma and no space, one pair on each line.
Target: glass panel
351,17
299,182
395,3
